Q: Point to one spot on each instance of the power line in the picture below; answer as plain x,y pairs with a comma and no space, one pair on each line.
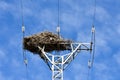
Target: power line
58,13
92,52
23,31
94,12
93,33
58,25
22,11
88,74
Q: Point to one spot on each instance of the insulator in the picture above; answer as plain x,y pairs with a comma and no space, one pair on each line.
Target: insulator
58,29
89,64
23,28
25,61
93,29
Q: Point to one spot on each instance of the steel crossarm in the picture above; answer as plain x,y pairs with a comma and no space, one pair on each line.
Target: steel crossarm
58,63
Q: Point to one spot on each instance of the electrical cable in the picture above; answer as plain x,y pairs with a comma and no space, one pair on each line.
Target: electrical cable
88,74
25,59
94,13
58,13
58,24
93,52
92,46
22,11
89,65
93,36
23,31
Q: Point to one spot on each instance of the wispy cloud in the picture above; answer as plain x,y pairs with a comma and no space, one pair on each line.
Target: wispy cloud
4,5
4,77
1,76
76,20
2,54
102,14
117,58
3,57
101,68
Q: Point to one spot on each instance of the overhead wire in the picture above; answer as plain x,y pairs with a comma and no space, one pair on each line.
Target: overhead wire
58,16
92,46
88,74
58,21
23,31
25,57
93,52
94,12
22,15
93,34
89,64
58,13
22,11
26,65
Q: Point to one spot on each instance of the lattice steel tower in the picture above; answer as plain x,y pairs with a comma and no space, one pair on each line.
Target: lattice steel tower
58,63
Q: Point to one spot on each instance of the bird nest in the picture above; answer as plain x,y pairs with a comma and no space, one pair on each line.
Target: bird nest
50,41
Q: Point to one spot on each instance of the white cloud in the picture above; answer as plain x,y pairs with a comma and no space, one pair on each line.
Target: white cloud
1,76
79,69
102,44
47,19
3,5
12,77
2,54
117,58
81,77
101,67
15,63
14,9
8,8
102,70
72,20
3,57
16,41
102,14
118,30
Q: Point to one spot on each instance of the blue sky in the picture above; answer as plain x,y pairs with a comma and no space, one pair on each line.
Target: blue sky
75,21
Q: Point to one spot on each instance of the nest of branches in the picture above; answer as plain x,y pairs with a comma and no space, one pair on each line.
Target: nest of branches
48,40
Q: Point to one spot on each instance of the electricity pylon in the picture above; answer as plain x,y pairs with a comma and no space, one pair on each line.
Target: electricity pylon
58,63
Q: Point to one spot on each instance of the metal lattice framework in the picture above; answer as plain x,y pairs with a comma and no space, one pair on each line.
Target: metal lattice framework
58,63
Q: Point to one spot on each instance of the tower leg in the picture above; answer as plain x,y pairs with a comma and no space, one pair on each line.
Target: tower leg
57,68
